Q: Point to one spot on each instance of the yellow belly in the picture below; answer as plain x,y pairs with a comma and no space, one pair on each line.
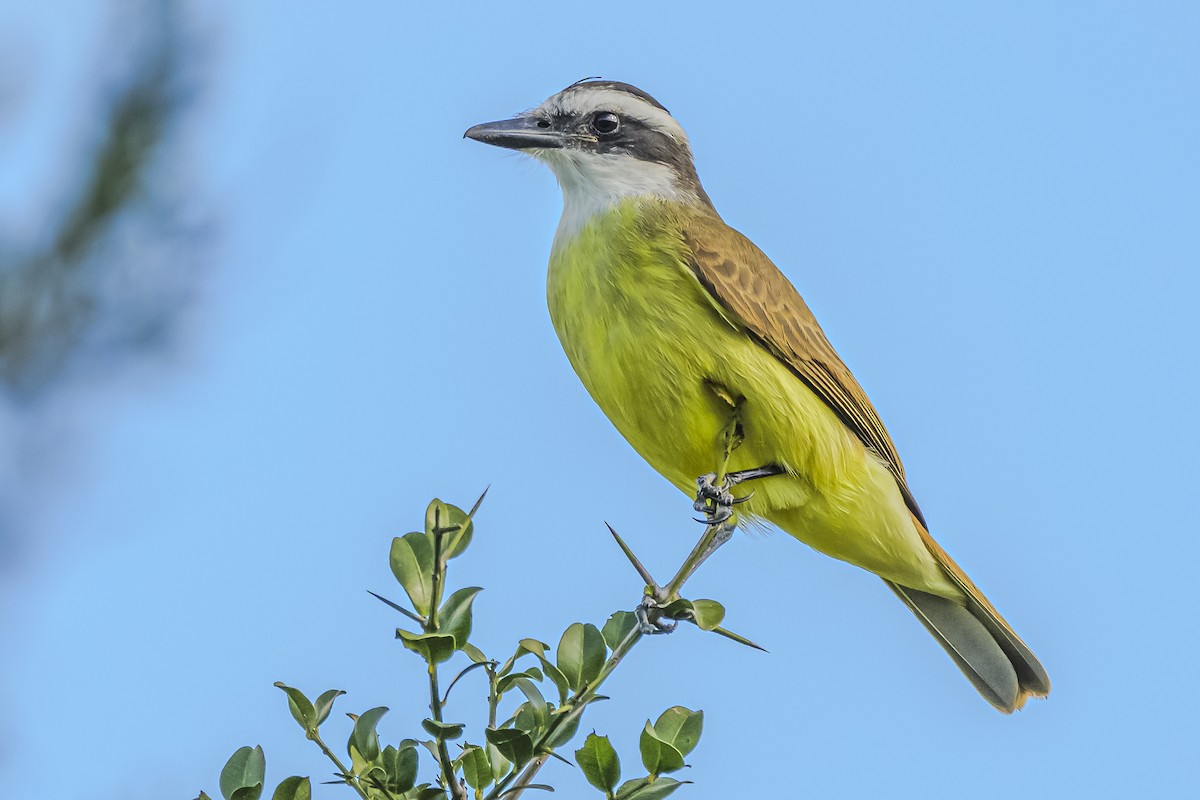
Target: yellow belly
649,346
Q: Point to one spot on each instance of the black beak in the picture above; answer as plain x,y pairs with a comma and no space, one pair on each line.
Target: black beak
519,133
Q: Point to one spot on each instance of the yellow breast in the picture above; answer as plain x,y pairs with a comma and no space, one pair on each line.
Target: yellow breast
650,344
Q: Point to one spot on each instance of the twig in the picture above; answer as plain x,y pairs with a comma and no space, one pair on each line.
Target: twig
447,765
578,704
346,775
449,779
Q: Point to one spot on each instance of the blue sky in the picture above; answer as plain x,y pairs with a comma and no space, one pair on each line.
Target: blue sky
992,210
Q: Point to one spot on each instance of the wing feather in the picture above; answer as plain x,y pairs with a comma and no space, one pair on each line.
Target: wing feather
753,294
750,288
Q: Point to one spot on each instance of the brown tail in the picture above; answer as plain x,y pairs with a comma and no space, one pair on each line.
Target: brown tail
985,647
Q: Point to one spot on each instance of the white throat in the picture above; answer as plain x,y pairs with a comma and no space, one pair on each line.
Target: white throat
593,183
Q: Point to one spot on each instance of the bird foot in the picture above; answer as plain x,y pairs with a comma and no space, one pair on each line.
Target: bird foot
715,501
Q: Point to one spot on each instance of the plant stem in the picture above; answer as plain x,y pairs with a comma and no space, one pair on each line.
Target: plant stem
449,779
439,572
527,775
351,782
578,703
703,549
493,698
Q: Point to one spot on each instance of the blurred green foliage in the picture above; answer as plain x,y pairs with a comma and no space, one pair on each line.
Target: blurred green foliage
117,260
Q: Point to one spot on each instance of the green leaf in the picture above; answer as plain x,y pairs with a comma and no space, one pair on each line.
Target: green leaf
474,653
363,738
657,755
655,789
374,775
447,731
506,683
618,627
581,655
533,695
599,763
514,744
564,733
535,713
524,647
427,792
540,650
433,647
300,706
429,744
629,787
678,609
707,614
293,788
500,765
531,646
476,768
358,764
529,720
452,524
324,704
248,793
560,681
243,774
400,765
545,787
412,564
455,616
680,727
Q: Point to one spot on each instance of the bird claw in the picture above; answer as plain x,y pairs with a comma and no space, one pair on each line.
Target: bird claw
716,502
707,489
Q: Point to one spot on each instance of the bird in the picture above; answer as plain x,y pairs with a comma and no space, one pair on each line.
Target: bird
705,357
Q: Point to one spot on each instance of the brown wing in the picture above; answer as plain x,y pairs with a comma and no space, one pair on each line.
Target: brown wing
744,282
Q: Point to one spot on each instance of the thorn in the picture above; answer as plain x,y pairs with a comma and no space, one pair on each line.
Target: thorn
738,638
417,619
637,565
479,502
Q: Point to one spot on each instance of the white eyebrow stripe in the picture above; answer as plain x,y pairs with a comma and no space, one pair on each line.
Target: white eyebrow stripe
580,101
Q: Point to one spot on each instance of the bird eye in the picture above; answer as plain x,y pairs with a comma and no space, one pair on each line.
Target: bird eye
543,123
605,122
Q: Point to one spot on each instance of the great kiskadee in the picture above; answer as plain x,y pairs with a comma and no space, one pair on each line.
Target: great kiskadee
679,326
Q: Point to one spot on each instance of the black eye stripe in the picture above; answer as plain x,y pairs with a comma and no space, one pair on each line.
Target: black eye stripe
637,139
634,138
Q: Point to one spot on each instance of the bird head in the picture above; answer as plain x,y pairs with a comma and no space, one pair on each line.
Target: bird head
604,140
